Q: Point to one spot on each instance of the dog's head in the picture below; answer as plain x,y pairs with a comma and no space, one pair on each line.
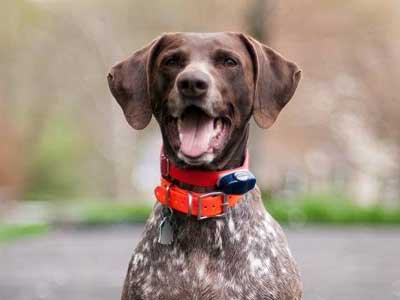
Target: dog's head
203,89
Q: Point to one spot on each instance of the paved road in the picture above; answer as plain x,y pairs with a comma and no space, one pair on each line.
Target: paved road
336,263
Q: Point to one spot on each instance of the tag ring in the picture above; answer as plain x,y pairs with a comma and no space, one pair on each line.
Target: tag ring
167,193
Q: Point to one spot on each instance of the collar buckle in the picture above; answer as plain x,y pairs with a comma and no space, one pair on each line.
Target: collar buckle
224,205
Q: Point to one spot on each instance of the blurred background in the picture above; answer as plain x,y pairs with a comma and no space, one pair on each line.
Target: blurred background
63,137
68,156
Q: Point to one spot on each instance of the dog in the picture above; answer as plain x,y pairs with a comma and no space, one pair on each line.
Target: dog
203,89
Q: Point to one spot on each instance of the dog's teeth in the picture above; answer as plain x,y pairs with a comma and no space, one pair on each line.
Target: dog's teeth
179,124
218,125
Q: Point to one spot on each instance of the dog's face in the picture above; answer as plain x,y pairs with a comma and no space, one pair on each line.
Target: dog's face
203,89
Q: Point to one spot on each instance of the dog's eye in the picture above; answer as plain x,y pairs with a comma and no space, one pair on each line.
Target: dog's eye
230,62
171,61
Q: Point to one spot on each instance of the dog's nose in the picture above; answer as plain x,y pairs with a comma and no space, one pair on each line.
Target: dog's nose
193,84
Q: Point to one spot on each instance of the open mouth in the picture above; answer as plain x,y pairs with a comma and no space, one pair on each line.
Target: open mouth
199,133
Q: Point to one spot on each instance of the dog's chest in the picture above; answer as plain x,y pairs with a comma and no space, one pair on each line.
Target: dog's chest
243,256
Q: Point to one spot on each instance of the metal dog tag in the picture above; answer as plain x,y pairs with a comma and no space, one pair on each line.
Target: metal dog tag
166,231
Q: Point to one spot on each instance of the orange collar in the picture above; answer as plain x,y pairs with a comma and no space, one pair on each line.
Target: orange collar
202,205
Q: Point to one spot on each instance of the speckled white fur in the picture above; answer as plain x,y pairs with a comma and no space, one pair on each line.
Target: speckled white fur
243,256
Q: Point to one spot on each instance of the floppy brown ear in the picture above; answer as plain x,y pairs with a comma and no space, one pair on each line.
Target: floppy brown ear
276,80
129,84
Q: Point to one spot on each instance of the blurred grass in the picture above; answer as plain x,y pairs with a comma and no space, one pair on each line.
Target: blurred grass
12,231
306,209
329,209
94,213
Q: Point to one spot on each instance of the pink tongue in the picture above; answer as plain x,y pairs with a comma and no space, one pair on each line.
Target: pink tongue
195,133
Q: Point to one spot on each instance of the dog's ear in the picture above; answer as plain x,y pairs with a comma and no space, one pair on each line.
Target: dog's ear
129,84
276,80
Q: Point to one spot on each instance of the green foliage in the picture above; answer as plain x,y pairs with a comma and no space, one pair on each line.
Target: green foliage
12,231
95,213
55,163
330,209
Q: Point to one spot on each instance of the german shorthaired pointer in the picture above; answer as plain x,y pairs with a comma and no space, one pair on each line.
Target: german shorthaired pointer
203,88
